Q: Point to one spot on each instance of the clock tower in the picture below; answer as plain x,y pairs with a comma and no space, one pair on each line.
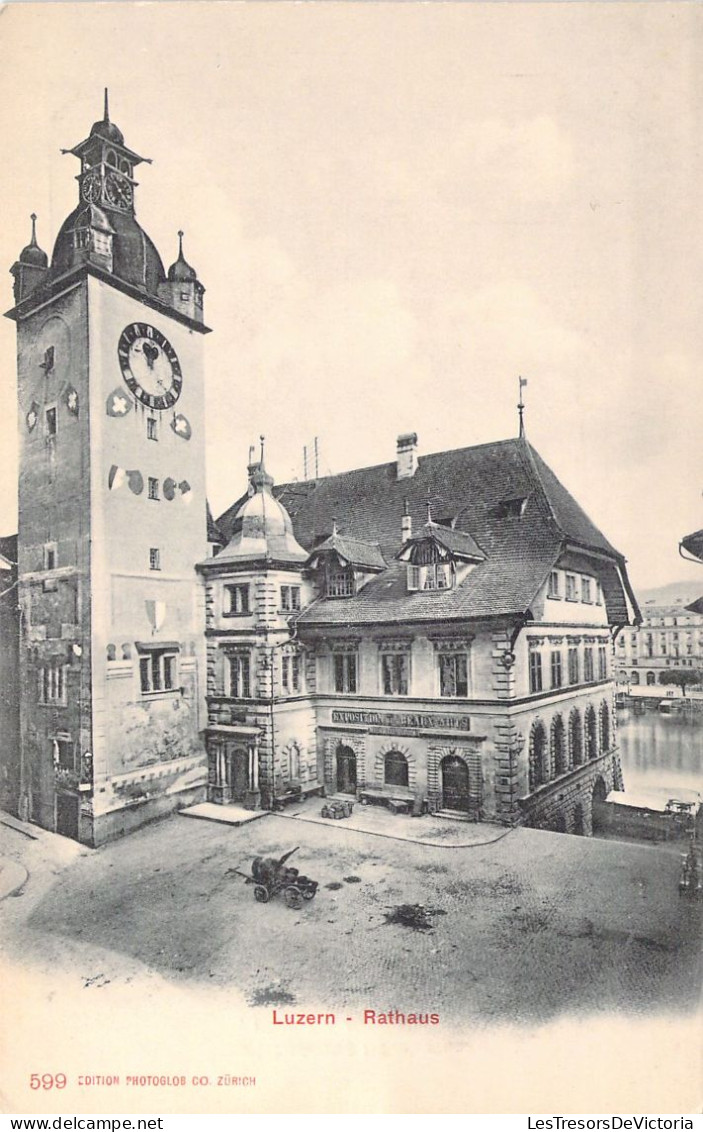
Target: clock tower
112,513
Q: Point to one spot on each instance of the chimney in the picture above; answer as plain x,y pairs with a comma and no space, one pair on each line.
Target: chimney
406,455
406,524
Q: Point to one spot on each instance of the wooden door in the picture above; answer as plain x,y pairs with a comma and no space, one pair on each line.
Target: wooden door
346,770
455,784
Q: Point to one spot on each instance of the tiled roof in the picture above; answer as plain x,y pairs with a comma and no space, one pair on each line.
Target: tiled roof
469,487
214,534
363,555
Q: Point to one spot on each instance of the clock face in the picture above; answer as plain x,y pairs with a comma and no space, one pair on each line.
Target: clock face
150,366
118,191
92,186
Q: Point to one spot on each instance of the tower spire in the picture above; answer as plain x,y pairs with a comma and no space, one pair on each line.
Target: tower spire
33,241
522,382
106,112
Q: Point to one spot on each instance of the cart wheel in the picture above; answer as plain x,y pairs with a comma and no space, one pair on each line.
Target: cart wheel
293,897
261,894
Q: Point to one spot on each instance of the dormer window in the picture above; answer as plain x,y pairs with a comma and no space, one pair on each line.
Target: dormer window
433,576
340,582
439,557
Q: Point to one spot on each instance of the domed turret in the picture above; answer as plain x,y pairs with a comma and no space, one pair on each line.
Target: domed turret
31,266
180,271
262,528
33,253
107,129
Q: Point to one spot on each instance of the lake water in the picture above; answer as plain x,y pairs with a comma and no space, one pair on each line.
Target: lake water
660,752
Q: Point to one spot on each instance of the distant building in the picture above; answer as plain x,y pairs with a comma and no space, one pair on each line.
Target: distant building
670,637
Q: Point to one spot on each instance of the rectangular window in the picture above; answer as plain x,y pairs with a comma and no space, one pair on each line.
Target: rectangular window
52,684
239,676
535,671
599,593
50,556
394,673
438,576
573,665
340,583
453,675
414,578
290,673
555,665
154,558
236,600
571,592
588,664
51,420
153,488
152,428
345,672
65,754
602,663
290,599
554,587
587,591
157,672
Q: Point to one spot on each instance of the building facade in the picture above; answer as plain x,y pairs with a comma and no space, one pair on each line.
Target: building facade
112,513
460,663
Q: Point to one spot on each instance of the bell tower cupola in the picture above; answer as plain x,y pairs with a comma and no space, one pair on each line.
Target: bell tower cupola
106,178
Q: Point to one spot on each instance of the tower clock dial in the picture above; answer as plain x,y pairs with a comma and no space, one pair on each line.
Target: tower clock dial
92,186
150,366
118,191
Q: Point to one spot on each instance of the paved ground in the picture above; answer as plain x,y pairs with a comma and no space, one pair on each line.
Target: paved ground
530,928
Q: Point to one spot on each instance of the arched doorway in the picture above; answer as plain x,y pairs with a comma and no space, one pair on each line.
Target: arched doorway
455,784
346,770
598,807
237,774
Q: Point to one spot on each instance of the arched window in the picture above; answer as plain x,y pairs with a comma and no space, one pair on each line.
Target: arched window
559,763
591,733
111,158
634,677
395,769
651,678
575,738
604,727
537,757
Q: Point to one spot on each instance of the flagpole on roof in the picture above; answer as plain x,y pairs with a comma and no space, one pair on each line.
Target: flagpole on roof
522,382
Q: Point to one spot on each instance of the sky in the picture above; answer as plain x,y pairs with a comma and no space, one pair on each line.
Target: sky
396,209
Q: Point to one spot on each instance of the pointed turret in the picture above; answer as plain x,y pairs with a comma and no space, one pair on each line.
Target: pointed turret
31,266
182,288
